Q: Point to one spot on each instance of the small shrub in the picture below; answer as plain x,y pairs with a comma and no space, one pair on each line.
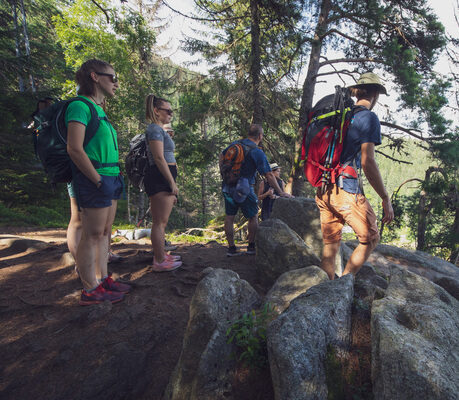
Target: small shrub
249,335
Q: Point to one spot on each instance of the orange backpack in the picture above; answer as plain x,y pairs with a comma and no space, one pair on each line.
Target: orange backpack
232,160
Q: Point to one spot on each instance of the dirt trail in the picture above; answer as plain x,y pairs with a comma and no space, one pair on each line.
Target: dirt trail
52,348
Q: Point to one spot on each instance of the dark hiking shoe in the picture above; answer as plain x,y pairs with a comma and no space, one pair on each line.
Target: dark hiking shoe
168,246
251,249
109,284
99,295
233,251
114,258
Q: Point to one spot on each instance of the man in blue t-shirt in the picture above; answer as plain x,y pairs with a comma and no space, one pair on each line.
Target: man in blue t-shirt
254,161
347,204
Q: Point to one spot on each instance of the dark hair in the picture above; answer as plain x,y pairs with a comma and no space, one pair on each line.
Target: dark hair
365,91
83,75
152,102
42,104
255,130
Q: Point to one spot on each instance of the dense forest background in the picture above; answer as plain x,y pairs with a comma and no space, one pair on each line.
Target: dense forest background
266,61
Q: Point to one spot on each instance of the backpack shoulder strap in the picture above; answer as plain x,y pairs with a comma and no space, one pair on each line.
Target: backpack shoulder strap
94,122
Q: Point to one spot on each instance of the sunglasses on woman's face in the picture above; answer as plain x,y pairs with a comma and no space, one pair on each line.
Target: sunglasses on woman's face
168,110
113,76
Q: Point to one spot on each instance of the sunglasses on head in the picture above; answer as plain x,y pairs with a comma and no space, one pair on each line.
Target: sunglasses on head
168,110
113,76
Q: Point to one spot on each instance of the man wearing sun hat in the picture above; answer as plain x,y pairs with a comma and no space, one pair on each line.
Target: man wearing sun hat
267,194
347,204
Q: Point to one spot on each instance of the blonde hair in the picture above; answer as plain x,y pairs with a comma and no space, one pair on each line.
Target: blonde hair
152,102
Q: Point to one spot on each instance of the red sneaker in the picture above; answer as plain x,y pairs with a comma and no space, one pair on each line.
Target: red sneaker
99,295
109,284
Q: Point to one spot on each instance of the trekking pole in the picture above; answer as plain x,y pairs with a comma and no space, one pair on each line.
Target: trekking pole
143,217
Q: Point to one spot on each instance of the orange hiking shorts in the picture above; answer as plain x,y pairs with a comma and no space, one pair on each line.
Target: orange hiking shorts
338,207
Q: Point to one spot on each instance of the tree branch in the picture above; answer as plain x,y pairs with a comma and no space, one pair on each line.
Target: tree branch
352,60
103,10
201,19
411,132
350,38
393,159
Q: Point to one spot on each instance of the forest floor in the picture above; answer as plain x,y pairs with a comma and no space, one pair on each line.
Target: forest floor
48,341
53,348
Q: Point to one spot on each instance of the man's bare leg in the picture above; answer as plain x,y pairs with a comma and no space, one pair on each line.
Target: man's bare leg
359,256
229,229
252,227
328,258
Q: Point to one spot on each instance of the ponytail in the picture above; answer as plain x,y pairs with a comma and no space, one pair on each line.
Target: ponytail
152,102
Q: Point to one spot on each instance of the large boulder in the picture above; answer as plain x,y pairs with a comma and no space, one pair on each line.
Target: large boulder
280,249
299,340
291,284
415,340
205,368
433,268
302,215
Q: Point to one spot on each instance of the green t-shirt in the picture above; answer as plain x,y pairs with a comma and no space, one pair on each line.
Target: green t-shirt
103,147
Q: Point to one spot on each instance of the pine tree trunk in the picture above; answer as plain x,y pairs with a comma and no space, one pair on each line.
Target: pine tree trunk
204,176
18,48
296,184
27,44
255,61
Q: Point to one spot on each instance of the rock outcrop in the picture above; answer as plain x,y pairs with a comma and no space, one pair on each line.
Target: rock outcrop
205,368
415,340
280,249
302,215
315,323
291,284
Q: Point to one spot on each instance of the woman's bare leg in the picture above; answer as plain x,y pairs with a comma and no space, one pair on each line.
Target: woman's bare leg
160,207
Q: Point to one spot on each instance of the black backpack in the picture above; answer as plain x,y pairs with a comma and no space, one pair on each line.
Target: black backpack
232,160
50,138
137,161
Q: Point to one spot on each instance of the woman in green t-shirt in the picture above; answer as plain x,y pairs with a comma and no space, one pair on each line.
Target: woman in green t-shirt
97,180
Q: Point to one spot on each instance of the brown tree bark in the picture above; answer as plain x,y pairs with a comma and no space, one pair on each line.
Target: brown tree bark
255,61
296,184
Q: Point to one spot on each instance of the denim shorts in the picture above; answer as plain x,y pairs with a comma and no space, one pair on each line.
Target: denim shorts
249,206
89,196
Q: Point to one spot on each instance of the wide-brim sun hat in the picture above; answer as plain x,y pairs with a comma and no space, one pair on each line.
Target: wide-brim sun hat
370,78
274,166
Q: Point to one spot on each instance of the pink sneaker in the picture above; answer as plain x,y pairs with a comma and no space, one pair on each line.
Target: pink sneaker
166,265
172,257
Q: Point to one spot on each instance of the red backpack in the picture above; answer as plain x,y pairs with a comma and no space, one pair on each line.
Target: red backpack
323,139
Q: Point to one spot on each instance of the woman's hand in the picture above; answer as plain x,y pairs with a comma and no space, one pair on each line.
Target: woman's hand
174,188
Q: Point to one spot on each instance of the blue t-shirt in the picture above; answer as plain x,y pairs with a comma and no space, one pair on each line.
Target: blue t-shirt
155,132
254,161
364,128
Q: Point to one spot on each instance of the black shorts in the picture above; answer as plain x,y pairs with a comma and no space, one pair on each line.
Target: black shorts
155,182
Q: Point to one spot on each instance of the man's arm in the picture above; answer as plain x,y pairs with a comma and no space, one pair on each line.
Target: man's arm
371,170
273,182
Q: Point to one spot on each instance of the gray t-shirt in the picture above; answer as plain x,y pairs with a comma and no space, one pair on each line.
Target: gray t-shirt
155,132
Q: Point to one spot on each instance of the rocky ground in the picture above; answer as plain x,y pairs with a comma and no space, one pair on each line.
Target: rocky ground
52,348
